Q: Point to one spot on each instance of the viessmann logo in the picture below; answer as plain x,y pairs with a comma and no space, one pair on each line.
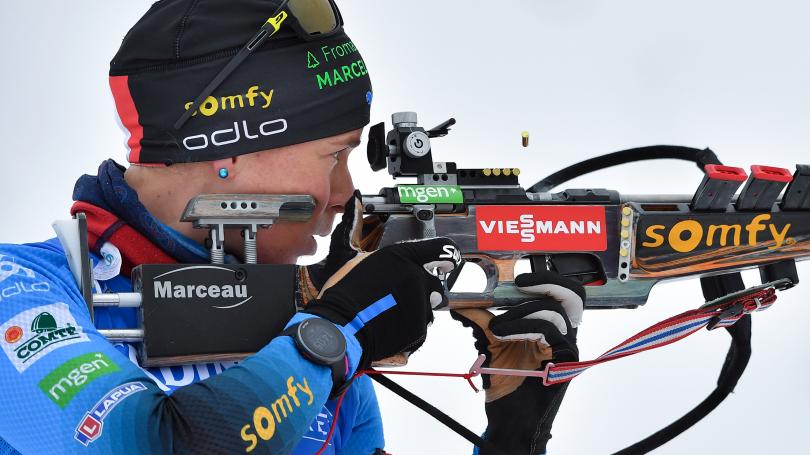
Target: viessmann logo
51,327
541,228
173,286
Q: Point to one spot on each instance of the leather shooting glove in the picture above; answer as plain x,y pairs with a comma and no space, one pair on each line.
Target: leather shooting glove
520,410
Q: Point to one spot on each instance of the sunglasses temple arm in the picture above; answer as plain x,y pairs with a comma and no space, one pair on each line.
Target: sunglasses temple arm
268,29
206,92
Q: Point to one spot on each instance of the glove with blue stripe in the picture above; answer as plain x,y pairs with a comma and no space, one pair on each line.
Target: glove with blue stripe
386,298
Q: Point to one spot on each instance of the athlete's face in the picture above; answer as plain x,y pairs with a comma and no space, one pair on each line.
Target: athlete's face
318,168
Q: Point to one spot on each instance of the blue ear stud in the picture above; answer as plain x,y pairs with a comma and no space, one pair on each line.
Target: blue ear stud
223,173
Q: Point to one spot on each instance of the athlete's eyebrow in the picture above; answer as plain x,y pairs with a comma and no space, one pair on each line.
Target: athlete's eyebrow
347,142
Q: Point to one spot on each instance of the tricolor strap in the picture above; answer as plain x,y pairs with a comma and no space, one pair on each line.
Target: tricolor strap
722,312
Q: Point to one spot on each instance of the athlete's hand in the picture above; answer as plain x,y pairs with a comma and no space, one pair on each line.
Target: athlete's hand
348,240
521,410
388,296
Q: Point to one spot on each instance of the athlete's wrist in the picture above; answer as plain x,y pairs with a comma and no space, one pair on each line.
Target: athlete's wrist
353,349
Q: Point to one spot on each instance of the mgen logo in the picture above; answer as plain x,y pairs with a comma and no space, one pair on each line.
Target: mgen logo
540,228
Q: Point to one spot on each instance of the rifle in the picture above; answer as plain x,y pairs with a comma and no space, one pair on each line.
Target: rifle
620,246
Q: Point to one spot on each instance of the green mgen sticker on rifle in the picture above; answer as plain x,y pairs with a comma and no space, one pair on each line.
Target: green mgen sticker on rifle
430,194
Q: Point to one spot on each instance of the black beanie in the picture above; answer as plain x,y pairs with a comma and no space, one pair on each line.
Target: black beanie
286,92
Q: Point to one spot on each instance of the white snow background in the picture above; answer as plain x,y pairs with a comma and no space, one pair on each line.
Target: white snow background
584,78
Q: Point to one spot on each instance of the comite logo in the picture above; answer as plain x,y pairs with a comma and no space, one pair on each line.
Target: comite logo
51,327
68,379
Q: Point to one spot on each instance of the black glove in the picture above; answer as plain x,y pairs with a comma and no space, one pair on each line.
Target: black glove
520,410
388,295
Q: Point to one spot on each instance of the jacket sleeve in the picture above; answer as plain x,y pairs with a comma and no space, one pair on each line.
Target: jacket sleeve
69,390
367,433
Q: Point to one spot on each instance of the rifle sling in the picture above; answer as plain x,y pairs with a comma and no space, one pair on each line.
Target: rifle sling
736,360
733,367
436,413
700,157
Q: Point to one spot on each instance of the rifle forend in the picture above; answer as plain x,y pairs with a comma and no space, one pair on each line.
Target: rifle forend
619,246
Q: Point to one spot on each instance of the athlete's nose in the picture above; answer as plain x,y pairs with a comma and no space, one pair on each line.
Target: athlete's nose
342,186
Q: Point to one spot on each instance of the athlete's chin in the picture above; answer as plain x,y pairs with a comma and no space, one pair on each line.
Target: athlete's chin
324,228
311,247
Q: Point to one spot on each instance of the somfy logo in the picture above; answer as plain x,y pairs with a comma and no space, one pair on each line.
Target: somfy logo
226,296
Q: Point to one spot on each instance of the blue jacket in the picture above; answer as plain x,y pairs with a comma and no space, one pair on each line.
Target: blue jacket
66,389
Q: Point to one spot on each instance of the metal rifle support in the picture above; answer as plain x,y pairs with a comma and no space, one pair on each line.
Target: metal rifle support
86,268
216,212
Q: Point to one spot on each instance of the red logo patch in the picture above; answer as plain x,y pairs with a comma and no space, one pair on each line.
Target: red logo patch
90,427
13,334
540,228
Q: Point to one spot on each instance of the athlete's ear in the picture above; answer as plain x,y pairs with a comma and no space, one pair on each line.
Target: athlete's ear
225,168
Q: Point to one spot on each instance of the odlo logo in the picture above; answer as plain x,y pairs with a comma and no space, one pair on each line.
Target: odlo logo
231,294
51,327
239,132
10,269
